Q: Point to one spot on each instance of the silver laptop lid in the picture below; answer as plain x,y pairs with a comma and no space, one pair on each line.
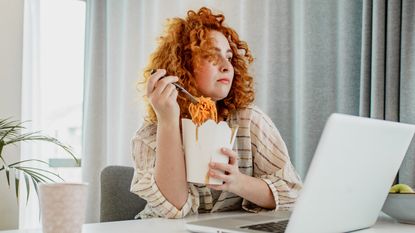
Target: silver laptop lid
353,168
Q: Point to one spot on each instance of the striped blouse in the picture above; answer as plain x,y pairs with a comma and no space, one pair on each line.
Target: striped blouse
261,153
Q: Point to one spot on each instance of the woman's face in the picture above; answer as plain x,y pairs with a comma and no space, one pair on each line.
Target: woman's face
215,80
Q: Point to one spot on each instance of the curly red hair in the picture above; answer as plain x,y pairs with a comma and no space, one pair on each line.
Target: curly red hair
184,43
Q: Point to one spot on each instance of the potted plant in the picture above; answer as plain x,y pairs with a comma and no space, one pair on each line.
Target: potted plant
10,134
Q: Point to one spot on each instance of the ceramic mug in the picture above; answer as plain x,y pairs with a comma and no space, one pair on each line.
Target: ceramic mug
63,207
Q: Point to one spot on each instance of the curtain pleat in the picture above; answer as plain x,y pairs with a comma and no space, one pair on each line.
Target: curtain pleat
407,85
377,75
366,51
393,39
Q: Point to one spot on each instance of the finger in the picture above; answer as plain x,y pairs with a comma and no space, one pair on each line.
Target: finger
167,92
218,175
154,77
174,94
221,166
216,186
231,154
162,83
153,80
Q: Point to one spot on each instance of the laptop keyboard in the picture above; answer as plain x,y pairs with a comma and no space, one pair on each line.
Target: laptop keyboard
277,227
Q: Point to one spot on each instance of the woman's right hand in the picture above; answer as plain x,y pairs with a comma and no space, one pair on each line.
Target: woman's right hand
162,95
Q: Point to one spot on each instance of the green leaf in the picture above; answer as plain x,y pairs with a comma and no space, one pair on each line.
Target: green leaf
42,177
8,176
36,137
10,134
33,174
39,176
39,169
35,183
1,148
16,182
26,180
10,128
7,123
29,160
4,161
36,179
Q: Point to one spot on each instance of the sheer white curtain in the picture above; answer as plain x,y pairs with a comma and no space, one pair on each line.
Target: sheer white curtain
31,93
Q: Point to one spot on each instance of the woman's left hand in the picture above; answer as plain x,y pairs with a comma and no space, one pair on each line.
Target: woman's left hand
232,177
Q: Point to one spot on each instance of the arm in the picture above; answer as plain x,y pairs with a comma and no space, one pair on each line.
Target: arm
250,188
144,184
271,163
257,191
170,173
160,175
275,183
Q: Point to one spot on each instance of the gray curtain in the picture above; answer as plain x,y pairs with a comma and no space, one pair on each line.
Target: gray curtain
388,74
315,56
407,83
354,57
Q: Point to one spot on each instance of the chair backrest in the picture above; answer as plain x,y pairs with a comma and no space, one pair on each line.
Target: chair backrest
117,202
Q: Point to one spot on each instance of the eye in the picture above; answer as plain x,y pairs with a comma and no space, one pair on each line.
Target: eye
229,59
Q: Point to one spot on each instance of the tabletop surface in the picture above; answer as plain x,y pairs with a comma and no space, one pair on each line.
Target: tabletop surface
384,224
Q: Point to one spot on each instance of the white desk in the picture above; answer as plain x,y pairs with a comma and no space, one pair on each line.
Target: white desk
384,224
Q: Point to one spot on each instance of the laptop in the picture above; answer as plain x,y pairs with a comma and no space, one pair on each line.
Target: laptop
348,180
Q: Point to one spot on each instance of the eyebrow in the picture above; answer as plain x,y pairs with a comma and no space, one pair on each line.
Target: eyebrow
227,51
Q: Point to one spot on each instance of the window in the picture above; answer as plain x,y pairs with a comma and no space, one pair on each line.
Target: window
61,67
53,71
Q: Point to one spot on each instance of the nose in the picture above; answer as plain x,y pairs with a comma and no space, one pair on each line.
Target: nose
224,69
225,65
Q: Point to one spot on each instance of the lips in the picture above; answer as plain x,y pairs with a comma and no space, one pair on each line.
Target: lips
224,80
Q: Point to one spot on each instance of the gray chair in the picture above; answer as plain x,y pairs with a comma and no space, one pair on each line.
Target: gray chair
117,202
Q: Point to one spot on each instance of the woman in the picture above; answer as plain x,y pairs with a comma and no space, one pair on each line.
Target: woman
208,59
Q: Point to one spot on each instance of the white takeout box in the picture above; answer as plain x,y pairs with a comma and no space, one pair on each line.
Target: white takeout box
204,148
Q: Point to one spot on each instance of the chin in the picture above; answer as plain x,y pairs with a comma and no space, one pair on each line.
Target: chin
217,95
219,98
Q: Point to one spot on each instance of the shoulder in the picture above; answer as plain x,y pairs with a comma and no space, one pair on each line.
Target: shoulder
264,134
253,115
251,110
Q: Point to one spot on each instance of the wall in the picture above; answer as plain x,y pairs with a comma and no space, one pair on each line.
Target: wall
11,39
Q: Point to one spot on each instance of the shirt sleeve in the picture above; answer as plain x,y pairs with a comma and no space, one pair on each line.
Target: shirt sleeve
272,164
145,186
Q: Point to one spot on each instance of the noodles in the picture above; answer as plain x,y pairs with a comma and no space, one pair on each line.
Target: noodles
204,110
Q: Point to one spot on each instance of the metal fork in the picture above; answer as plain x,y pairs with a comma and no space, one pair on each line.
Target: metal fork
193,99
